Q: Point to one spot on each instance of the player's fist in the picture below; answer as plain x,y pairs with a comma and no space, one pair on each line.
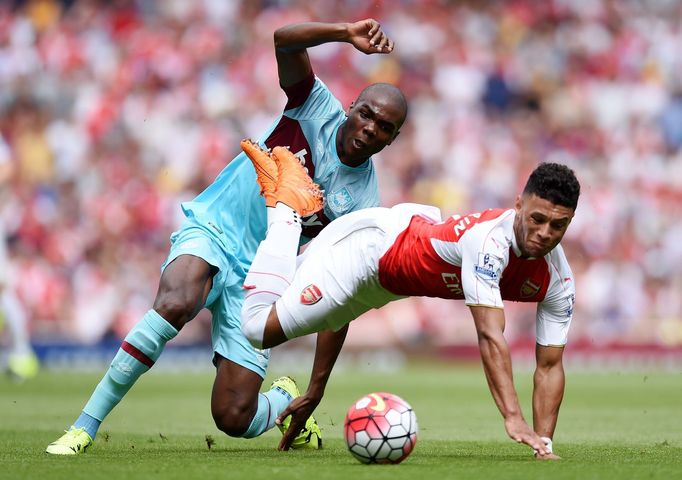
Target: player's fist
368,37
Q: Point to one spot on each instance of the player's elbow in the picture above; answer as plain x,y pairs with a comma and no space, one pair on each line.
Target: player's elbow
277,39
280,37
489,324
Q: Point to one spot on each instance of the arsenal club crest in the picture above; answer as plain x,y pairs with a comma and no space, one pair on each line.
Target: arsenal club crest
529,288
311,295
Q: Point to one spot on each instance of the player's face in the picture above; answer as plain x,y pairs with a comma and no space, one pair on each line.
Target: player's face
539,225
373,122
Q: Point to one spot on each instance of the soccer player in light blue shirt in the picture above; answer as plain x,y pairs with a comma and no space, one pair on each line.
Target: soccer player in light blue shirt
211,253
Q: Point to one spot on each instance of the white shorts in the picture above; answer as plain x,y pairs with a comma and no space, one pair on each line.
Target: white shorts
337,278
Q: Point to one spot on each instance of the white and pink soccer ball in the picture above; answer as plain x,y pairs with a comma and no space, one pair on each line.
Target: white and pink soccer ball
381,428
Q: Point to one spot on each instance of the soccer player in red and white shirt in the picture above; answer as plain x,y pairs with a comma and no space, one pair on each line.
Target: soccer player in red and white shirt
371,257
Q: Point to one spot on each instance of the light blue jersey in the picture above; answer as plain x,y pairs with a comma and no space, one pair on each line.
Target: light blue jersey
227,221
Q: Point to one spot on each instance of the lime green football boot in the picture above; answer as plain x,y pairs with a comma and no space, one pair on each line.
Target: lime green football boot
310,436
23,366
75,441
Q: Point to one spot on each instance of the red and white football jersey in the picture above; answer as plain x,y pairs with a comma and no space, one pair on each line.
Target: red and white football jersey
476,258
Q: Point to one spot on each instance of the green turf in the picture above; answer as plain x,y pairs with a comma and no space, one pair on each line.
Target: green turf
612,426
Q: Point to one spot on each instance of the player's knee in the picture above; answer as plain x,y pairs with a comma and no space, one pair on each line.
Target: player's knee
183,289
233,420
174,308
253,325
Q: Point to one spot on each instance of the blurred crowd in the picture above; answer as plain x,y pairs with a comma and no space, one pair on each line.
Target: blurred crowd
113,112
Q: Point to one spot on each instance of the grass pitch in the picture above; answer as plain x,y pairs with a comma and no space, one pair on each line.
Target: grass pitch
612,426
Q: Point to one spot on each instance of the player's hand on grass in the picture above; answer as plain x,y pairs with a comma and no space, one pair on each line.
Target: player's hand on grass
300,409
368,37
519,431
551,455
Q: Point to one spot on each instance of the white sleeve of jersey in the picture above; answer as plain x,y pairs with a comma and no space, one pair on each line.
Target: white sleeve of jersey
555,312
485,254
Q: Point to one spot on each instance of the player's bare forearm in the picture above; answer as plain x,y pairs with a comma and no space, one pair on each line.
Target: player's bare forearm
498,371
548,389
328,347
496,359
365,35
291,42
327,351
300,36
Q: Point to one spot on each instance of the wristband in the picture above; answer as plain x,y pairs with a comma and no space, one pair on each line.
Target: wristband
548,443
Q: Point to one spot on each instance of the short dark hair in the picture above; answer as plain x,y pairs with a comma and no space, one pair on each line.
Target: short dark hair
391,91
554,182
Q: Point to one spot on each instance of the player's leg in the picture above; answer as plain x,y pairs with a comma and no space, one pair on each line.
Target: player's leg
336,283
274,264
183,290
239,408
271,275
240,368
274,269
234,400
22,363
271,272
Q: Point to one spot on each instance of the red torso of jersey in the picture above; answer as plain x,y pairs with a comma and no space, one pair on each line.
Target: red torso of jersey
525,280
412,266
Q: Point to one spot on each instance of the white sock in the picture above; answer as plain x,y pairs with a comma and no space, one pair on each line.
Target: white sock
282,213
271,272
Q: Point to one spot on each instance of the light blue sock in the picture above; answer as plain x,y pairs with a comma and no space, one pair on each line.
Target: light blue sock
270,405
90,424
140,349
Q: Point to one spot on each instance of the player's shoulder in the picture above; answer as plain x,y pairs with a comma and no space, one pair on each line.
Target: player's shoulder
320,86
557,258
494,226
562,280
320,99
492,218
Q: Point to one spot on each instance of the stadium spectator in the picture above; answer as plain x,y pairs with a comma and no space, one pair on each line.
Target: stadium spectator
22,363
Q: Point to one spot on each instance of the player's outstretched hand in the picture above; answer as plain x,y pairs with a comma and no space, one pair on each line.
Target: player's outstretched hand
519,431
368,37
300,409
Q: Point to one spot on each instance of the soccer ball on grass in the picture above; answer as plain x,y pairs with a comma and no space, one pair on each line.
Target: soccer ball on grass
380,428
